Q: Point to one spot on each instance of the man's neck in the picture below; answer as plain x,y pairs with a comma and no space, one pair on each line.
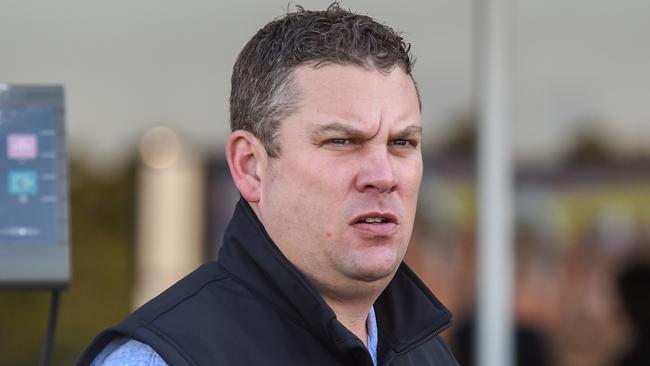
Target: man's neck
353,316
352,302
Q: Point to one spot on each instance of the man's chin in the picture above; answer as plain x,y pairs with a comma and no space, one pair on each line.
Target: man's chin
373,274
377,264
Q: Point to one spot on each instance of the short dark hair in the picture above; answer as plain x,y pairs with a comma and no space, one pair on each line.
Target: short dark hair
263,91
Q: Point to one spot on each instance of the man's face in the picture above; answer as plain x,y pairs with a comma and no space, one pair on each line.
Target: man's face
340,199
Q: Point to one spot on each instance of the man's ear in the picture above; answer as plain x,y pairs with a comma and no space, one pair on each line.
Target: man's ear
246,159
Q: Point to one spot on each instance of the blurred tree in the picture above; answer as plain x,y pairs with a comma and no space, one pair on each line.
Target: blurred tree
462,142
590,148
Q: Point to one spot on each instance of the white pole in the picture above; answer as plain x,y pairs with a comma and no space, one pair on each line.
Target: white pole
170,211
495,244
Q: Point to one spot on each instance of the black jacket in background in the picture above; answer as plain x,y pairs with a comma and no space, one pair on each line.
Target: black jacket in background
253,307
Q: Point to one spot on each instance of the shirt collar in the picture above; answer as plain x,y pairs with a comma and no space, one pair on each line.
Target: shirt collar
371,325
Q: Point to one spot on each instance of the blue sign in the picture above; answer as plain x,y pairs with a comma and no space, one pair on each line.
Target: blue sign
23,182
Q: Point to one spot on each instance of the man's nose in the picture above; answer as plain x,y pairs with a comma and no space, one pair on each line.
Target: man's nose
376,172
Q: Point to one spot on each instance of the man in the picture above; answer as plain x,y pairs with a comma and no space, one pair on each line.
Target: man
325,151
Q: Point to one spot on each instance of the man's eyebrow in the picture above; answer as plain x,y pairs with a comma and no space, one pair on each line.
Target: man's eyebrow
340,128
349,131
413,130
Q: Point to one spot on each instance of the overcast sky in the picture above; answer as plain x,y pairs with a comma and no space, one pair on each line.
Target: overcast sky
131,65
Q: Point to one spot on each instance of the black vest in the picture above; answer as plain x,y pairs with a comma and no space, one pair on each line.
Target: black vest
253,307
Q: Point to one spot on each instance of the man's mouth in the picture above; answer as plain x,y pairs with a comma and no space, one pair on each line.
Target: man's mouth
375,224
375,218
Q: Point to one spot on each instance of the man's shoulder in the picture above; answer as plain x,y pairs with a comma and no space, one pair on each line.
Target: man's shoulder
212,307
211,301
197,287
178,318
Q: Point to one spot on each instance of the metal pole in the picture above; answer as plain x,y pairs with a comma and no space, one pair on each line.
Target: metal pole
48,342
495,244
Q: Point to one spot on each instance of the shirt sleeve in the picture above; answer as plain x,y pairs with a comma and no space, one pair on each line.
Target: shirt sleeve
128,352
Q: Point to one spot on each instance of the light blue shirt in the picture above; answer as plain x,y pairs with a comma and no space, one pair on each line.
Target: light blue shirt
129,352
371,325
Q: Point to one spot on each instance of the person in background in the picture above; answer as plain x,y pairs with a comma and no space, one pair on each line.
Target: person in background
634,291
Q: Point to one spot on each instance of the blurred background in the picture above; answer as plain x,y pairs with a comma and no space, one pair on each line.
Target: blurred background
147,86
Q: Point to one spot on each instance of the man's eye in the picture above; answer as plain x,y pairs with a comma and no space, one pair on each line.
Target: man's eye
404,143
338,142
